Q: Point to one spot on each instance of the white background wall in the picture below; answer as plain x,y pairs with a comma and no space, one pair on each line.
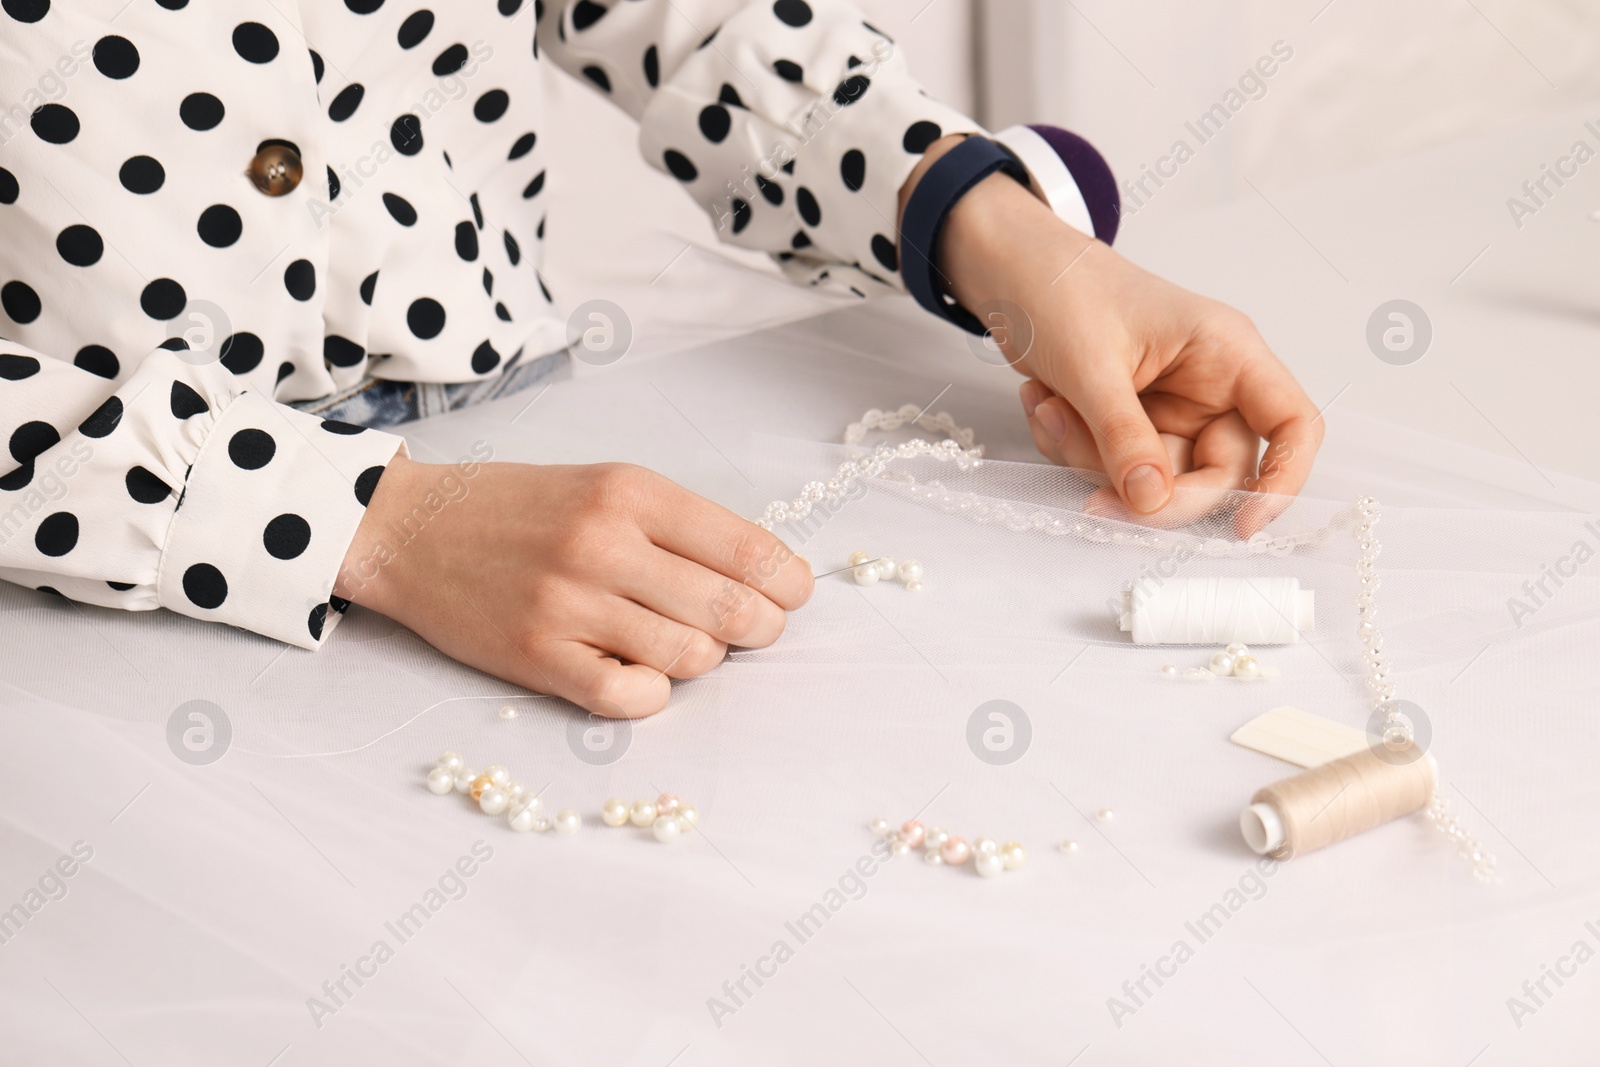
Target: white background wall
1370,79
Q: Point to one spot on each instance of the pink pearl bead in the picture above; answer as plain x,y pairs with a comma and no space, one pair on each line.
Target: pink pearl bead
913,832
668,804
955,851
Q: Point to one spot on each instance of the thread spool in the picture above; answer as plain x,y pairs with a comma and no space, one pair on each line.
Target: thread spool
1339,799
1217,611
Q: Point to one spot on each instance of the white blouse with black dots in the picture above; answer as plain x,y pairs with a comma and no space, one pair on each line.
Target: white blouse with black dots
207,210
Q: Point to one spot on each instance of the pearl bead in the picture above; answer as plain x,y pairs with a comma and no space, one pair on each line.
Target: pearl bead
615,812
912,833
887,568
1013,855
1247,667
858,558
464,779
898,847
955,851
1222,664
987,864
668,804
541,823
478,785
1236,649
688,817
932,858
879,826
865,575
451,760
508,712
516,792
498,774
493,800
1068,846
666,829
914,585
1198,674
1169,669
441,780
910,570
934,839
523,817
568,821
1105,815
643,813
985,846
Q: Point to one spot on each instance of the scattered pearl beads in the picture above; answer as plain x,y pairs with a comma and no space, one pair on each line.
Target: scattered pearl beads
940,848
1068,846
1105,815
1235,661
867,570
667,818
615,812
508,712
879,826
495,794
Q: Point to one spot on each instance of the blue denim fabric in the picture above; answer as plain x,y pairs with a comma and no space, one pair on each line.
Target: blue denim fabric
380,403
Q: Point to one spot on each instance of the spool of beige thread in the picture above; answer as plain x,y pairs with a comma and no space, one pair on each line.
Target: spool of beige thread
1338,799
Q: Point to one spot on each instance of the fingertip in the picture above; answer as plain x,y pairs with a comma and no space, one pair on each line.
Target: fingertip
1147,488
1033,393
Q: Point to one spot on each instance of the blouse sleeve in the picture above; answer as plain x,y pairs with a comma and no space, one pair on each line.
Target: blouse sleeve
178,489
792,123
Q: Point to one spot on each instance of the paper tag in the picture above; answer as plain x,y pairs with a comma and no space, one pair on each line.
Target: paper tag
1299,737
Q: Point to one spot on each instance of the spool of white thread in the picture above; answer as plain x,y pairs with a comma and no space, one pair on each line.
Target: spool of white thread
1217,611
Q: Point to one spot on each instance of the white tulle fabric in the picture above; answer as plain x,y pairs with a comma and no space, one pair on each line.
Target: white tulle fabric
224,896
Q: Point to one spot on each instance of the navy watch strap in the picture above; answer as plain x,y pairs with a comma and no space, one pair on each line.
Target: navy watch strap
950,178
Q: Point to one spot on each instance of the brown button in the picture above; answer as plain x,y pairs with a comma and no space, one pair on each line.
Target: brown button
276,170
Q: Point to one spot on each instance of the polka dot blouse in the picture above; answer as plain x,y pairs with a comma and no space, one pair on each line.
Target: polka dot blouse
208,210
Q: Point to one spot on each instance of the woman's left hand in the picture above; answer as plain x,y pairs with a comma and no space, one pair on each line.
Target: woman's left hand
1156,387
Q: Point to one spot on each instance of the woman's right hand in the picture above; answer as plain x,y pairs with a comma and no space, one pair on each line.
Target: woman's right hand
594,583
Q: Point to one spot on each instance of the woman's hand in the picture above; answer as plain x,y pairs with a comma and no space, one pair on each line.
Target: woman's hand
594,583
1130,375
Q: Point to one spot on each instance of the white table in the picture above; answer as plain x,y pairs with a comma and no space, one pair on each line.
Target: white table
219,898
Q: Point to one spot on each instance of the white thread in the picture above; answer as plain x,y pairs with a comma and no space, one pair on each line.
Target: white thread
1217,611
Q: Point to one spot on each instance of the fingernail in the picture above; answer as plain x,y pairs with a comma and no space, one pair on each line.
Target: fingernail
1145,489
1032,394
1052,421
